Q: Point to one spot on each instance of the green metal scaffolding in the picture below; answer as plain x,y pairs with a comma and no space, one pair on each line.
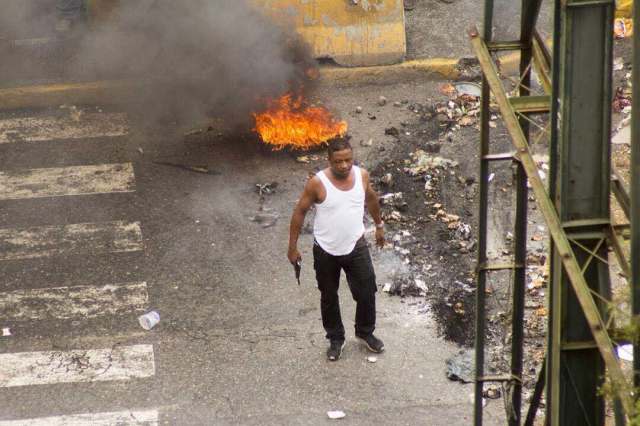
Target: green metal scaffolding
577,82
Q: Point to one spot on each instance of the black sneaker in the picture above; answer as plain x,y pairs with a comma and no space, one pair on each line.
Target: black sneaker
335,350
373,343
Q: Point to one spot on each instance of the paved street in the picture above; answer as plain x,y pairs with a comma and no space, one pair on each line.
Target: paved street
96,228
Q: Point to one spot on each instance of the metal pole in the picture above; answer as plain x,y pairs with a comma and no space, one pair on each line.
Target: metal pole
553,297
583,191
485,115
529,15
635,194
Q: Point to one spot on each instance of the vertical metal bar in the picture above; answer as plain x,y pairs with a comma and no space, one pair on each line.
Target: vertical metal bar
635,193
485,115
582,193
605,285
529,16
537,395
554,302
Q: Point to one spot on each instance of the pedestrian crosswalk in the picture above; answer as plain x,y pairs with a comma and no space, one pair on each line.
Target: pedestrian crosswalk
68,126
66,181
59,303
44,302
74,239
122,418
76,366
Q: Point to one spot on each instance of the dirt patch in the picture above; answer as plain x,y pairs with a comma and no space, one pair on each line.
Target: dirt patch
427,204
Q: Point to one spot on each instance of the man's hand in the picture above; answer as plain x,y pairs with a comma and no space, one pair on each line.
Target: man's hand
294,255
380,237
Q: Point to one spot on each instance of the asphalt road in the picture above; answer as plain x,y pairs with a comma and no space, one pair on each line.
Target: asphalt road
94,232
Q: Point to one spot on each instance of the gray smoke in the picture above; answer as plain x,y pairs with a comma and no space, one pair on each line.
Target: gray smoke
197,58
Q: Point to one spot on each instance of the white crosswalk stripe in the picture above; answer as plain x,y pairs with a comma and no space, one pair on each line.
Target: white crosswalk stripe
76,366
120,418
73,302
75,239
66,181
76,125
120,362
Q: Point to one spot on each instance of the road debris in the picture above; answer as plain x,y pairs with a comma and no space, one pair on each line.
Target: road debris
306,159
392,131
372,359
6,332
268,188
622,100
382,101
423,163
149,320
492,392
334,415
460,367
625,352
265,219
198,131
623,28
469,89
197,169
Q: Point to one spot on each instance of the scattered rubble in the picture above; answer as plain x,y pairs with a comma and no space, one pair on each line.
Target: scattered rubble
306,159
460,367
392,131
468,89
268,188
492,392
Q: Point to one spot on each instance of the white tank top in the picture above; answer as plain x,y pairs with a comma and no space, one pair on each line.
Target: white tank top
339,221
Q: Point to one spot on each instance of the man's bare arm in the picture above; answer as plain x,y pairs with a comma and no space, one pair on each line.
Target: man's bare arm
371,199
308,197
373,206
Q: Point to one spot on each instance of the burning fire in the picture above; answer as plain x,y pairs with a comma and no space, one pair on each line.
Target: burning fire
289,120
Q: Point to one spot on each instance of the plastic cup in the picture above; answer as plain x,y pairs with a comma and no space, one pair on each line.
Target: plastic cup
149,320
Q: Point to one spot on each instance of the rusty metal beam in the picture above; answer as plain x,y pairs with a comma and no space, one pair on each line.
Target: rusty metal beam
546,207
530,104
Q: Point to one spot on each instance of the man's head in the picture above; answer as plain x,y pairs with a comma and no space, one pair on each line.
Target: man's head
340,157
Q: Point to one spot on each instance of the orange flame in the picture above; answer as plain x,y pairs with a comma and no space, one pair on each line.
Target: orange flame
289,121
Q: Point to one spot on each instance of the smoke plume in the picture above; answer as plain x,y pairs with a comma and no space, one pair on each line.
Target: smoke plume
197,58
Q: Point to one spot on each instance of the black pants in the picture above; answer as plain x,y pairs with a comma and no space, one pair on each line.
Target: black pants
361,277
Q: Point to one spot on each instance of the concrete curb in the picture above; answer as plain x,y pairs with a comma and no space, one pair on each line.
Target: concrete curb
119,91
418,69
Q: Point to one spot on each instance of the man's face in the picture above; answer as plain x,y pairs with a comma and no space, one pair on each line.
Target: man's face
341,163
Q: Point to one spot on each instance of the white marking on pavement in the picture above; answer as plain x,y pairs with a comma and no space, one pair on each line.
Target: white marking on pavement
73,302
81,238
78,125
64,181
121,418
92,365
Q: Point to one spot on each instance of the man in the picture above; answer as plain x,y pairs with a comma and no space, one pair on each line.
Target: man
340,193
